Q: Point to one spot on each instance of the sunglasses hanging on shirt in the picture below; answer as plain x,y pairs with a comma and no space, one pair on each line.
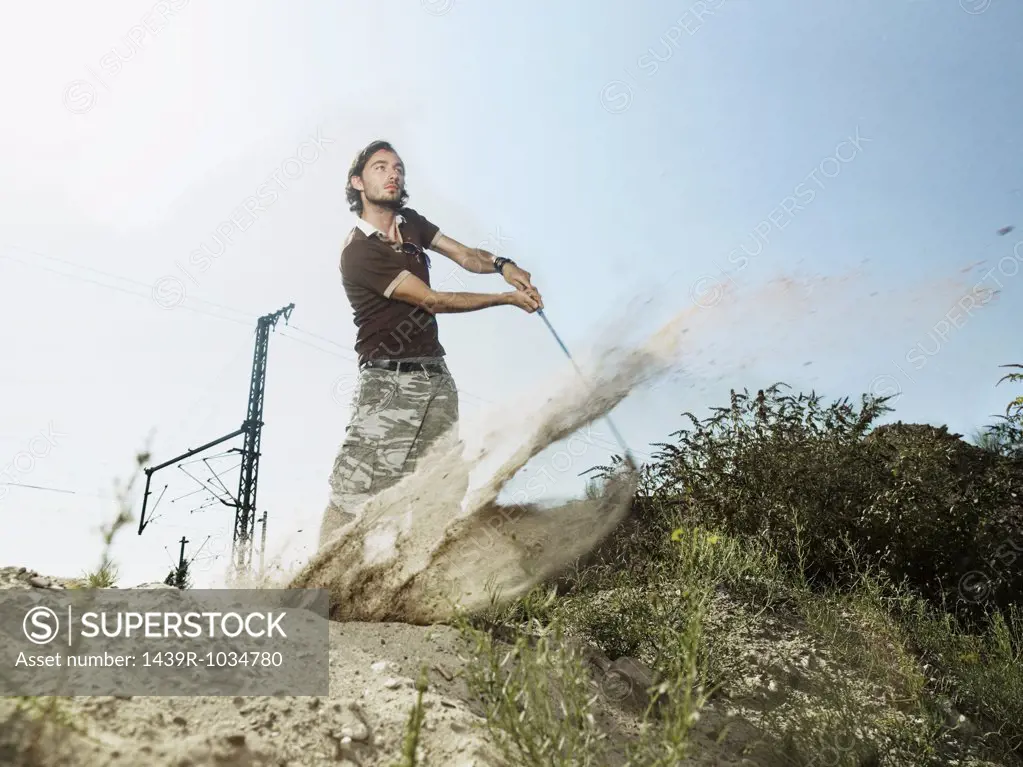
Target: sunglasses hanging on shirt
414,250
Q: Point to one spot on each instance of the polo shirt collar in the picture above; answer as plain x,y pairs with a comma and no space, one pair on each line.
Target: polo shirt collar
369,230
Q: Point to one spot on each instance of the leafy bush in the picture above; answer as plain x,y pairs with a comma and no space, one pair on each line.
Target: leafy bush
830,495
1006,437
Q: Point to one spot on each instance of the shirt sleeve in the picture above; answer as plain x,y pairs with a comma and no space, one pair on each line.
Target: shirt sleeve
426,230
363,268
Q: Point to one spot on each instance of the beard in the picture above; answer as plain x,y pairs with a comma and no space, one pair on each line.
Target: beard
386,199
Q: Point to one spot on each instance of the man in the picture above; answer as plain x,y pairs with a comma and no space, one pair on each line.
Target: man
406,397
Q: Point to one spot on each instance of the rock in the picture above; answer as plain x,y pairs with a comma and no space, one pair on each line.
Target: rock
627,682
354,726
955,720
443,672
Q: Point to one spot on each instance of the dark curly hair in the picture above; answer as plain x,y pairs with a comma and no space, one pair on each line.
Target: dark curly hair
358,166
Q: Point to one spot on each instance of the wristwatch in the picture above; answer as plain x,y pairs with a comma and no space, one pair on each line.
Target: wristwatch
500,262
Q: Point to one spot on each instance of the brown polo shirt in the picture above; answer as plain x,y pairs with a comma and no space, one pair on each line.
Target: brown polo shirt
371,268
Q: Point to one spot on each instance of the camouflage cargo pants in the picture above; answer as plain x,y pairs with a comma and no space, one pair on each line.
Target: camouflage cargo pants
396,416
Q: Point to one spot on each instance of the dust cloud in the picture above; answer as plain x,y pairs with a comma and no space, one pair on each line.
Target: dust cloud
428,546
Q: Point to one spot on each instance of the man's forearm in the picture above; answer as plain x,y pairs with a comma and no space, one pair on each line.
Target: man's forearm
478,261
449,303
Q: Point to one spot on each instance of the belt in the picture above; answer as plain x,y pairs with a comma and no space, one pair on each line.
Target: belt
402,366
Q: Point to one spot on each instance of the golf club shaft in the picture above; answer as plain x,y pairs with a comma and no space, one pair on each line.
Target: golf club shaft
610,424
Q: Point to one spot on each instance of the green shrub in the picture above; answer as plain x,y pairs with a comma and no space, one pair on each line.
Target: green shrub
830,494
102,577
1006,437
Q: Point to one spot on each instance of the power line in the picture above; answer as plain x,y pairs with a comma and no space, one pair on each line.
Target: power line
148,287
332,352
55,490
145,291
297,329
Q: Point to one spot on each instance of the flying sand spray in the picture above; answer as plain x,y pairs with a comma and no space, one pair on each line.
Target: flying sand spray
625,448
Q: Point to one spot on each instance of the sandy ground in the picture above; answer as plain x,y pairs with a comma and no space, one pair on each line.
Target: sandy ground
782,674
372,672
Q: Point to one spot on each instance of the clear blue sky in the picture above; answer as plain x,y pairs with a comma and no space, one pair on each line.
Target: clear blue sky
617,151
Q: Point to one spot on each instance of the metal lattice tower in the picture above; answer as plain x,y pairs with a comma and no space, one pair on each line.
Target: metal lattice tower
244,503
245,513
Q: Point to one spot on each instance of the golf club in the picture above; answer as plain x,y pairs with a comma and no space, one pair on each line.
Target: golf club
621,442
